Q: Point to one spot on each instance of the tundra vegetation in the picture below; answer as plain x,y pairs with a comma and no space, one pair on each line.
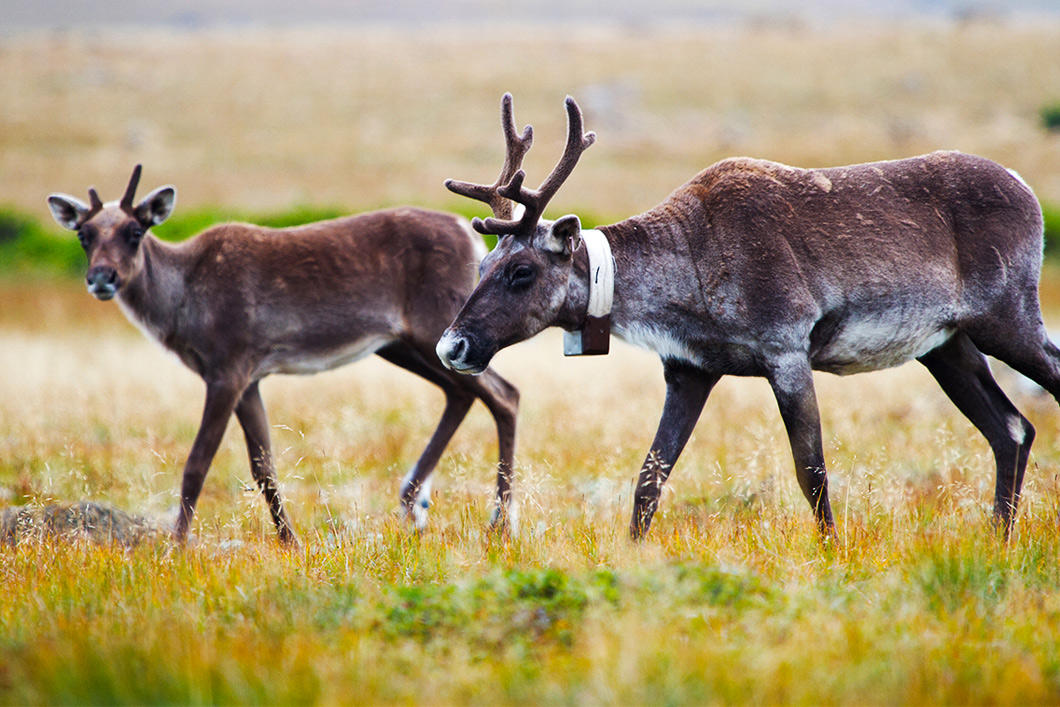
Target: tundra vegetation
731,598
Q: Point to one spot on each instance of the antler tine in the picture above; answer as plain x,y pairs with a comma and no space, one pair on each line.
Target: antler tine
94,201
130,191
516,147
577,143
535,200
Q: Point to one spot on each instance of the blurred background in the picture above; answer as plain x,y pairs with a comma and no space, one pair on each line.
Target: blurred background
257,108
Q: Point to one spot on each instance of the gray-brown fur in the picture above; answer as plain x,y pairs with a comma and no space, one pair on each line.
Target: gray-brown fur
239,302
756,268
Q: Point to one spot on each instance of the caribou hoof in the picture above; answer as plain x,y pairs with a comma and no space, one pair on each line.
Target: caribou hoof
505,519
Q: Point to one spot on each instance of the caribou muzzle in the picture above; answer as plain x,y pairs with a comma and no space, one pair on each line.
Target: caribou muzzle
103,282
463,353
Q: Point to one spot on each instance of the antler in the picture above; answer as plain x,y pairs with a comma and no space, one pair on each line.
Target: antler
516,147
535,200
94,201
130,191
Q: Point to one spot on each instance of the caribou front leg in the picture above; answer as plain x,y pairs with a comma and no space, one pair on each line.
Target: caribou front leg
792,382
687,389
221,398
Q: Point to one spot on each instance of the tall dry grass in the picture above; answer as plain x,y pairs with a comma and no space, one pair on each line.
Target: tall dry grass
362,117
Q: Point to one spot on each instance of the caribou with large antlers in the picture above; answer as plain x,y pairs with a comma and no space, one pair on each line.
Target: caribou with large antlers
239,302
755,268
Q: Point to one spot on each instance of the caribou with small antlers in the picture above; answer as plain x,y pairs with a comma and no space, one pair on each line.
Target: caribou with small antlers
755,268
239,302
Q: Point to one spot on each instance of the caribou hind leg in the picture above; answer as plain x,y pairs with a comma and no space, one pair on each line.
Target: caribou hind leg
250,411
416,487
499,396
962,371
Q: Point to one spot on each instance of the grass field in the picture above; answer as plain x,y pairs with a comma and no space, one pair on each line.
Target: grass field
360,118
731,598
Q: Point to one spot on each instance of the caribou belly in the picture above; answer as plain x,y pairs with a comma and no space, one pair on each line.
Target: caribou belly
293,360
872,342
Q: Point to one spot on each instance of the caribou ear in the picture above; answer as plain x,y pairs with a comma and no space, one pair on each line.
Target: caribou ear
563,236
67,211
156,206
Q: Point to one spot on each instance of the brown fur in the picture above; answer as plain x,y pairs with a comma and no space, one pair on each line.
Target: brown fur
757,268
239,302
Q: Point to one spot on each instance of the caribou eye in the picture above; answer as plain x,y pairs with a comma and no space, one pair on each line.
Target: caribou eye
134,233
521,276
83,237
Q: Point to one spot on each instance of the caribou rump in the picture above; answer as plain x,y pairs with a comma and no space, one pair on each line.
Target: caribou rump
755,268
239,302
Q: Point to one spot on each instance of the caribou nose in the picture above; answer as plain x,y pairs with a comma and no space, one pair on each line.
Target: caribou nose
102,281
451,348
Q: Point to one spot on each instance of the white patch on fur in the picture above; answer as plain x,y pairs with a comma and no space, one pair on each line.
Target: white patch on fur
513,516
73,203
1015,428
419,516
821,182
874,342
444,346
423,498
298,362
1019,179
152,333
663,343
422,502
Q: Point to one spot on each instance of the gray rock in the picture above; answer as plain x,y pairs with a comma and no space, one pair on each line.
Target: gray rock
78,521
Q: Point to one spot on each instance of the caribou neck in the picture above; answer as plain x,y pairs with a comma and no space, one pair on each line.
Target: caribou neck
629,276
155,296
573,313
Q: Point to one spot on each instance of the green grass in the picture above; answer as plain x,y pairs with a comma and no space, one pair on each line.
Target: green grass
28,246
966,619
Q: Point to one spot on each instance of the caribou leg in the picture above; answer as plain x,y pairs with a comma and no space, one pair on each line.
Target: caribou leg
499,396
250,411
965,376
792,382
687,389
221,398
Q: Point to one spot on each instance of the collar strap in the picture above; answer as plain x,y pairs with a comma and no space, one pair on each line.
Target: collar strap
594,336
601,273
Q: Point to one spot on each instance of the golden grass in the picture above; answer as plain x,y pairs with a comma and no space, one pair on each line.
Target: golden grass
361,117
731,598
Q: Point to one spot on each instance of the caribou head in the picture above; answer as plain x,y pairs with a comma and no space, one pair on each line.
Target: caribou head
111,233
529,282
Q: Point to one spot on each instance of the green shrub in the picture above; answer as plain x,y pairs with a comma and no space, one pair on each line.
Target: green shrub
1050,114
27,247
30,246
